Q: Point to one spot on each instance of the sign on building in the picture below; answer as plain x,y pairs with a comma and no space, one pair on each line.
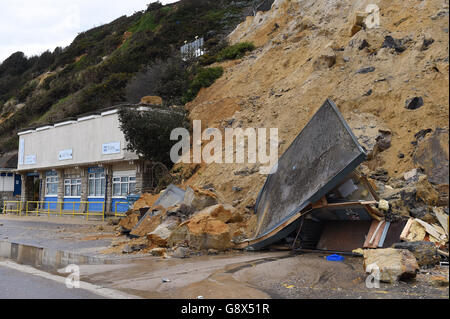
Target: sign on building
30,159
111,148
65,155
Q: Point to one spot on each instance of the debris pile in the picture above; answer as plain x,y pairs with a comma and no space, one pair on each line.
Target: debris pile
177,221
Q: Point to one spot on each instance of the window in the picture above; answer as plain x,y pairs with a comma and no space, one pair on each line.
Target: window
122,186
72,187
51,183
97,184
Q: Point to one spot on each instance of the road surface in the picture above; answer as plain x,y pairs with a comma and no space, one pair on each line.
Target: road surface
19,285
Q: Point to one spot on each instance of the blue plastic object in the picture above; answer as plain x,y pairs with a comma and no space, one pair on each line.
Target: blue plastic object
335,258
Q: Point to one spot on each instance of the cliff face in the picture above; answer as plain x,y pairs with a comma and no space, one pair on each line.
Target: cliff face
312,50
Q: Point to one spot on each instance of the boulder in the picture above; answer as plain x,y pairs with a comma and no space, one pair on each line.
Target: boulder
128,222
152,100
325,60
394,264
424,251
432,154
425,192
161,234
148,224
205,230
199,198
181,252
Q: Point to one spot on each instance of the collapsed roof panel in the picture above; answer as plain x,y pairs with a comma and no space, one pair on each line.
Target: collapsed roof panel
320,158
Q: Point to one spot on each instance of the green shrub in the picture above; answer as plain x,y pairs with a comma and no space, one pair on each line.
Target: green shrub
148,133
236,51
204,78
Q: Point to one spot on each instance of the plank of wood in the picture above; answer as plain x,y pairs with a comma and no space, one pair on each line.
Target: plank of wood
442,218
374,235
405,231
430,229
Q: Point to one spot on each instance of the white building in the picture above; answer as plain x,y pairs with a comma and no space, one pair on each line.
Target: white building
83,160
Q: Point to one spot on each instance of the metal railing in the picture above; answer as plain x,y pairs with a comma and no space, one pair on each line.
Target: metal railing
116,213
39,208
8,204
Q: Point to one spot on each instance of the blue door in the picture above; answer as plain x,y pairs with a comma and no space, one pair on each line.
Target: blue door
17,185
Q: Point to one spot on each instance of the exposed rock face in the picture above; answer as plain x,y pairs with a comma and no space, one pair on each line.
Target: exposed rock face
206,229
152,100
424,251
394,264
433,154
284,62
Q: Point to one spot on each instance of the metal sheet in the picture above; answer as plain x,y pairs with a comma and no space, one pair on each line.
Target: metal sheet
172,196
322,156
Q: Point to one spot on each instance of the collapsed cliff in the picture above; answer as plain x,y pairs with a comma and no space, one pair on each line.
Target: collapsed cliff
389,81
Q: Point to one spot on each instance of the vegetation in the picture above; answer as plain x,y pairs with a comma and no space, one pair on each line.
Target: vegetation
232,52
102,66
148,132
204,78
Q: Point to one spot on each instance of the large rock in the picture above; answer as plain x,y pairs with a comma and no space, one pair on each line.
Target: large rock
199,198
394,264
205,230
152,100
432,155
424,251
325,60
162,233
128,222
426,192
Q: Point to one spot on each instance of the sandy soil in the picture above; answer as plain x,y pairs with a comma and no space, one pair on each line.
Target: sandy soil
278,85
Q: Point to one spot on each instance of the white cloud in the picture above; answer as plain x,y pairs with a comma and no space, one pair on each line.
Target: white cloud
33,26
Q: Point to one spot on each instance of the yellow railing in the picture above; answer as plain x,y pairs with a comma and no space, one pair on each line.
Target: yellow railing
59,209
117,214
8,204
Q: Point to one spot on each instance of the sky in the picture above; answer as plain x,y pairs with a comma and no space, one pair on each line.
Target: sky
34,26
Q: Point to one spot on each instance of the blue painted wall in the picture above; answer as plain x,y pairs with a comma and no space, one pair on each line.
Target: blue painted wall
97,207
52,206
71,203
121,208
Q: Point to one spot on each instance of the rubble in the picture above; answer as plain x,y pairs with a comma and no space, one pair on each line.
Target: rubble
206,229
181,252
394,264
129,221
199,198
432,153
424,251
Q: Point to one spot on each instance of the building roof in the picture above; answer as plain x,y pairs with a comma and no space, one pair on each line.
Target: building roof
84,115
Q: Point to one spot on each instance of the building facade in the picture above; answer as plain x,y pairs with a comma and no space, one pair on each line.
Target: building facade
79,164
10,182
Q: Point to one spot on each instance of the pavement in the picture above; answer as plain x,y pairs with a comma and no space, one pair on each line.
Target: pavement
230,275
15,284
